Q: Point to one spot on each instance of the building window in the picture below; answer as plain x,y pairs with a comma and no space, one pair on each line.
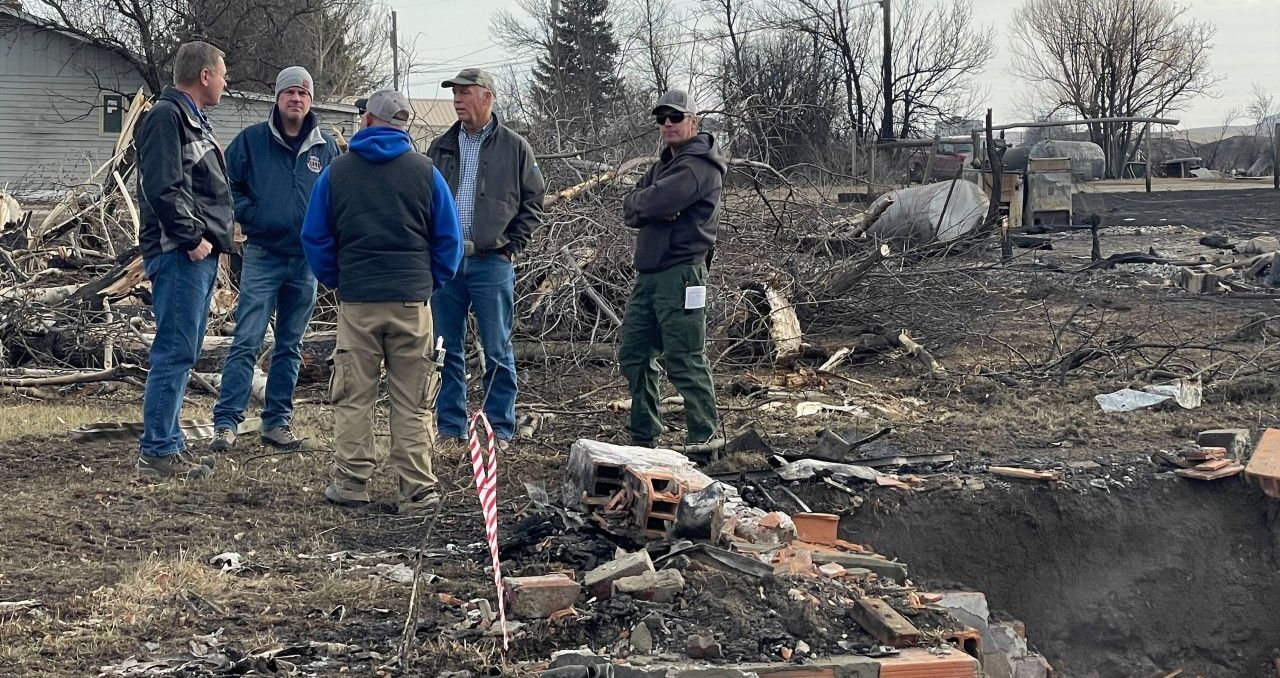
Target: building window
112,113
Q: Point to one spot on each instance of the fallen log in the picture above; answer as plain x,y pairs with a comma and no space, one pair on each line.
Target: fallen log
914,349
78,377
784,327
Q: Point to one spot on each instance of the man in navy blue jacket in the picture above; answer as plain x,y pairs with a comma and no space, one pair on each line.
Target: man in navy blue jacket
383,230
273,166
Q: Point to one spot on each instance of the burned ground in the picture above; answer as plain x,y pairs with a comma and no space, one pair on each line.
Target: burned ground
1123,569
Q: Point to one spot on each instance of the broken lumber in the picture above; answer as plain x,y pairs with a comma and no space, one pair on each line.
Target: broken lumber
914,349
884,623
784,327
78,377
1231,469
1024,473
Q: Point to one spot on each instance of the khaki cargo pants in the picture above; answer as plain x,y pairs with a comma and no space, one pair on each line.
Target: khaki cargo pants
400,335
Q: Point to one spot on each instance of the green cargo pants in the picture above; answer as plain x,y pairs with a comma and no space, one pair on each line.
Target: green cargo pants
657,323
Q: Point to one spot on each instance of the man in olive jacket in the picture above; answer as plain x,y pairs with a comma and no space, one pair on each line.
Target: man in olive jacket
498,189
675,206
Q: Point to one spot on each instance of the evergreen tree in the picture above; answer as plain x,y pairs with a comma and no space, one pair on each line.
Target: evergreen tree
576,79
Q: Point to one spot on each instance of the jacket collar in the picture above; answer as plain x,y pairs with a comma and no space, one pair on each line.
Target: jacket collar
314,136
180,99
450,137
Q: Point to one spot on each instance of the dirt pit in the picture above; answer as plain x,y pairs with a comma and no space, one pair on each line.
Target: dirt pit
1162,575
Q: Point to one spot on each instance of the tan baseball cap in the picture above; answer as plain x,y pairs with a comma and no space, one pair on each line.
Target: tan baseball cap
471,76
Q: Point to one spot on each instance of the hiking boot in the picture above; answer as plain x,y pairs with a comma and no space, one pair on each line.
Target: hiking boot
424,503
348,494
223,440
182,465
282,438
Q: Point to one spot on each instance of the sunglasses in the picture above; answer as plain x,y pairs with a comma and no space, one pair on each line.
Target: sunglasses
676,118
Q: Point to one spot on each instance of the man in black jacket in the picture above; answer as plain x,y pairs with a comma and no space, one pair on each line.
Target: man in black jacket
498,189
186,211
675,207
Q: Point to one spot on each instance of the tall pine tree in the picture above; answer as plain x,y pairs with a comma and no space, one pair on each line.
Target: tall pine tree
576,79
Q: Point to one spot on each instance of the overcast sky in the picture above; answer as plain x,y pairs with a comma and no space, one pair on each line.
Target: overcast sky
452,34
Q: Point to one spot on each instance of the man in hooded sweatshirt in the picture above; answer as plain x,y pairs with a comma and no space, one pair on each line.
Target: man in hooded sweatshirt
272,166
382,230
675,206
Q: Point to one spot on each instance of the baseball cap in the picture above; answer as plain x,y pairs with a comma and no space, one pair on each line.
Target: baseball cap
676,100
471,76
390,106
362,104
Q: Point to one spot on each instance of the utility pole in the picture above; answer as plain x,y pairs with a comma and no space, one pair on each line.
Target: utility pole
1275,156
886,127
395,54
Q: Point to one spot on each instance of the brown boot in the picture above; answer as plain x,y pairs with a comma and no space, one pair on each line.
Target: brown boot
347,493
182,465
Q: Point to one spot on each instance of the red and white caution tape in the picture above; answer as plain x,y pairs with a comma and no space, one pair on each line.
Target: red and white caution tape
485,469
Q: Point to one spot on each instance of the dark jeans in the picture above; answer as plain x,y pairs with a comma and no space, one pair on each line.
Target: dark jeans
486,283
658,324
180,294
269,284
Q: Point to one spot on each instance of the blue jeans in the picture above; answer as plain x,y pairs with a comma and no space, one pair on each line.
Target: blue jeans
487,284
269,283
180,294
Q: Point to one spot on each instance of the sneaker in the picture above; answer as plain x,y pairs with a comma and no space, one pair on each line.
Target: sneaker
183,465
223,440
350,495
281,437
423,503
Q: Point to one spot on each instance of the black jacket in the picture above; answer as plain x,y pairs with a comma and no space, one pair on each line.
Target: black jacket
509,187
676,205
182,180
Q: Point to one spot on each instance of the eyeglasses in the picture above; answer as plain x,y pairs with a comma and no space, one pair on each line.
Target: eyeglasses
676,118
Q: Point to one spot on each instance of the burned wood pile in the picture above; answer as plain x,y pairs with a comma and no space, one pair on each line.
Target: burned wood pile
790,266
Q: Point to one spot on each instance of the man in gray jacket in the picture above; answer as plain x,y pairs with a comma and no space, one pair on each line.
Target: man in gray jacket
675,206
498,189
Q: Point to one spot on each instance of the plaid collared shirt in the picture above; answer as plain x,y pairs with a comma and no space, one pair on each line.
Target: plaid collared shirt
469,161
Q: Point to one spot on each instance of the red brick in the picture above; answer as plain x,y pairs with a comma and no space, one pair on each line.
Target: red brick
917,663
1213,465
968,641
1264,466
541,596
816,528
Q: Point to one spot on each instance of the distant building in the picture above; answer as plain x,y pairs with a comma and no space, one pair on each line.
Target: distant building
431,118
63,102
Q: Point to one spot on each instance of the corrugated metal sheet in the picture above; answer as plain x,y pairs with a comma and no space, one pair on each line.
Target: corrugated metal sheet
431,117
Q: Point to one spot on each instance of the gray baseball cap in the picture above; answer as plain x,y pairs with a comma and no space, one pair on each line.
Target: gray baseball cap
471,76
390,106
676,100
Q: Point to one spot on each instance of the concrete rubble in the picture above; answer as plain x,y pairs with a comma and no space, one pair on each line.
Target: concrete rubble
651,495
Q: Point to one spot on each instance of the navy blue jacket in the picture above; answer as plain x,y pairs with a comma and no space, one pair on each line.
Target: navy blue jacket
182,179
272,184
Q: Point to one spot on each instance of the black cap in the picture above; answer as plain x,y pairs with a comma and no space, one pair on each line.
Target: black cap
362,103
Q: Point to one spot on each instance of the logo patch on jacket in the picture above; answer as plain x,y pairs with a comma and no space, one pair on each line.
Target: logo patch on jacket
313,164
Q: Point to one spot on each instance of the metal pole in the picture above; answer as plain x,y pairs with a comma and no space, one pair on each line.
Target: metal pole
886,127
1275,155
1146,142
395,54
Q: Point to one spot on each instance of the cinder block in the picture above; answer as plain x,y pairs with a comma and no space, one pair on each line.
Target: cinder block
599,582
1235,440
541,596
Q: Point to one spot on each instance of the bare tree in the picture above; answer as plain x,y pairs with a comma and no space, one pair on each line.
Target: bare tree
656,41
259,36
1112,58
848,28
937,51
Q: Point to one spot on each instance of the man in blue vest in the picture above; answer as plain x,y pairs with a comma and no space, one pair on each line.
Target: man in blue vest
273,166
382,230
